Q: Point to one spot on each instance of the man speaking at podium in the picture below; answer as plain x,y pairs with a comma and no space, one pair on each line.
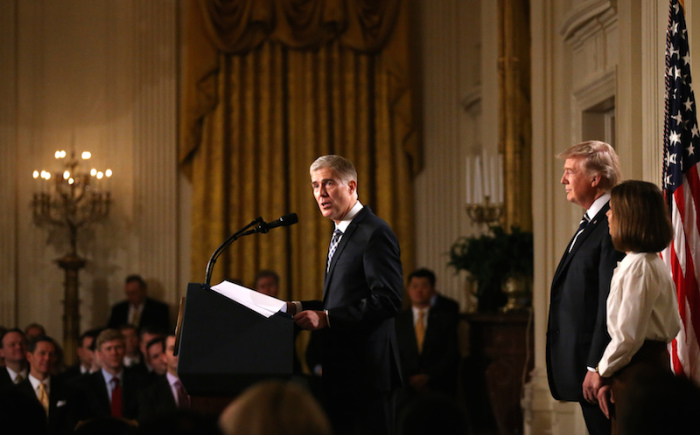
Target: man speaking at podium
362,292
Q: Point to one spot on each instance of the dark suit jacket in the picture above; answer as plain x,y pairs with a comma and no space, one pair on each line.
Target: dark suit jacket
362,292
440,356
156,399
577,331
62,405
5,380
95,398
155,313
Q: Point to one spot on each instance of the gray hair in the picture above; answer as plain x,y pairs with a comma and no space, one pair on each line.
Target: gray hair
339,164
598,158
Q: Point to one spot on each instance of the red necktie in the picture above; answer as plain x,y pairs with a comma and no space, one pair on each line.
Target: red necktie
183,400
116,398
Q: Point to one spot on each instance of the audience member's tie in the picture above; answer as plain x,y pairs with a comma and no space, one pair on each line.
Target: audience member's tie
137,317
183,400
43,397
116,398
19,378
334,244
581,226
420,330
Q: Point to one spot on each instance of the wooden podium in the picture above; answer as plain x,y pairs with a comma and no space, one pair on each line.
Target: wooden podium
224,347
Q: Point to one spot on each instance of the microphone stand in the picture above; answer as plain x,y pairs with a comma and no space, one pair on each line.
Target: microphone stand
240,233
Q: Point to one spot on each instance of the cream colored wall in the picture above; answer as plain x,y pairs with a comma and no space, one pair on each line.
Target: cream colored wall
98,75
456,70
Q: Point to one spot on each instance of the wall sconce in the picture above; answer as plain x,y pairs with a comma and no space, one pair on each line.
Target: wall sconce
72,198
485,188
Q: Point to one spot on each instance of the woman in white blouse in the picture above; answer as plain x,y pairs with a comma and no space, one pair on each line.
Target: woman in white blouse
642,307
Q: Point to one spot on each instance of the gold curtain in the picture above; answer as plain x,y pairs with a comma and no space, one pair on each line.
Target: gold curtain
267,87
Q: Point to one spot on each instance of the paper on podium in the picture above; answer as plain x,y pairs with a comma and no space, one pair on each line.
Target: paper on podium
258,302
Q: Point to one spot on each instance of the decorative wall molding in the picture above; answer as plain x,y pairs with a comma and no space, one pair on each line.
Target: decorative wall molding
587,19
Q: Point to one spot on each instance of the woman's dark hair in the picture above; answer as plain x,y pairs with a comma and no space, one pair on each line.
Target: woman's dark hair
641,219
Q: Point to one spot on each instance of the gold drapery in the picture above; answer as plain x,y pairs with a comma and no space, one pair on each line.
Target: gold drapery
267,87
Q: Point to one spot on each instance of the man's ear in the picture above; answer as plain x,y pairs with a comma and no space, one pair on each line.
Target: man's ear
352,184
595,181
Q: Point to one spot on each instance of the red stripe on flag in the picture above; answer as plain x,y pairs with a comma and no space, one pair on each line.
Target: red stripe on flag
676,364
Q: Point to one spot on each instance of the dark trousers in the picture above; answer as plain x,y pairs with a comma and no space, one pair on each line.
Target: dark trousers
596,422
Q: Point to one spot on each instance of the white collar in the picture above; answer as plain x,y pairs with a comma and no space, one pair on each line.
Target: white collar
343,225
35,383
597,205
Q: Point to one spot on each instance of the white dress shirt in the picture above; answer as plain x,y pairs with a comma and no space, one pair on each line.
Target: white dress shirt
35,385
641,306
108,380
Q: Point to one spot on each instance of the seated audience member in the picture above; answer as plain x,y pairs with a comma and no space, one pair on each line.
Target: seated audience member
272,408
132,352
166,394
34,330
642,309
154,350
13,347
113,390
146,335
267,282
49,392
138,309
427,336
2,358
84,366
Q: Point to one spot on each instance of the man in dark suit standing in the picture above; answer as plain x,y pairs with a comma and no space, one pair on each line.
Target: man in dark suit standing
138,309
361,295
49,392
577,331
427,334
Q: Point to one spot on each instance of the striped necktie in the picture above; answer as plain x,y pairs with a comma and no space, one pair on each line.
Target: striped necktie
337,234
581,226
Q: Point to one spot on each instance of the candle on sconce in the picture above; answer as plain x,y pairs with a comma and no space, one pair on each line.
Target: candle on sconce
469,174
500,178
477,180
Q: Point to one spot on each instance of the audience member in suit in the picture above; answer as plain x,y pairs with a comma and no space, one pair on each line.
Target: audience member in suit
34,330
577,333
166,394
138,309
84,366
49,392
362,293
427,334
275,407
132,352
146,335
13,346
102,389
154,350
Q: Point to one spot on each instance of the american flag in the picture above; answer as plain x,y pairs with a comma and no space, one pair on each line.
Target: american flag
682,191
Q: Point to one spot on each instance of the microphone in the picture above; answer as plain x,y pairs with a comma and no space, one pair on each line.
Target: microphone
284,221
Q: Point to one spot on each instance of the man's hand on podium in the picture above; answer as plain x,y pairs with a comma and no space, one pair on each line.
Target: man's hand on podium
311,320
